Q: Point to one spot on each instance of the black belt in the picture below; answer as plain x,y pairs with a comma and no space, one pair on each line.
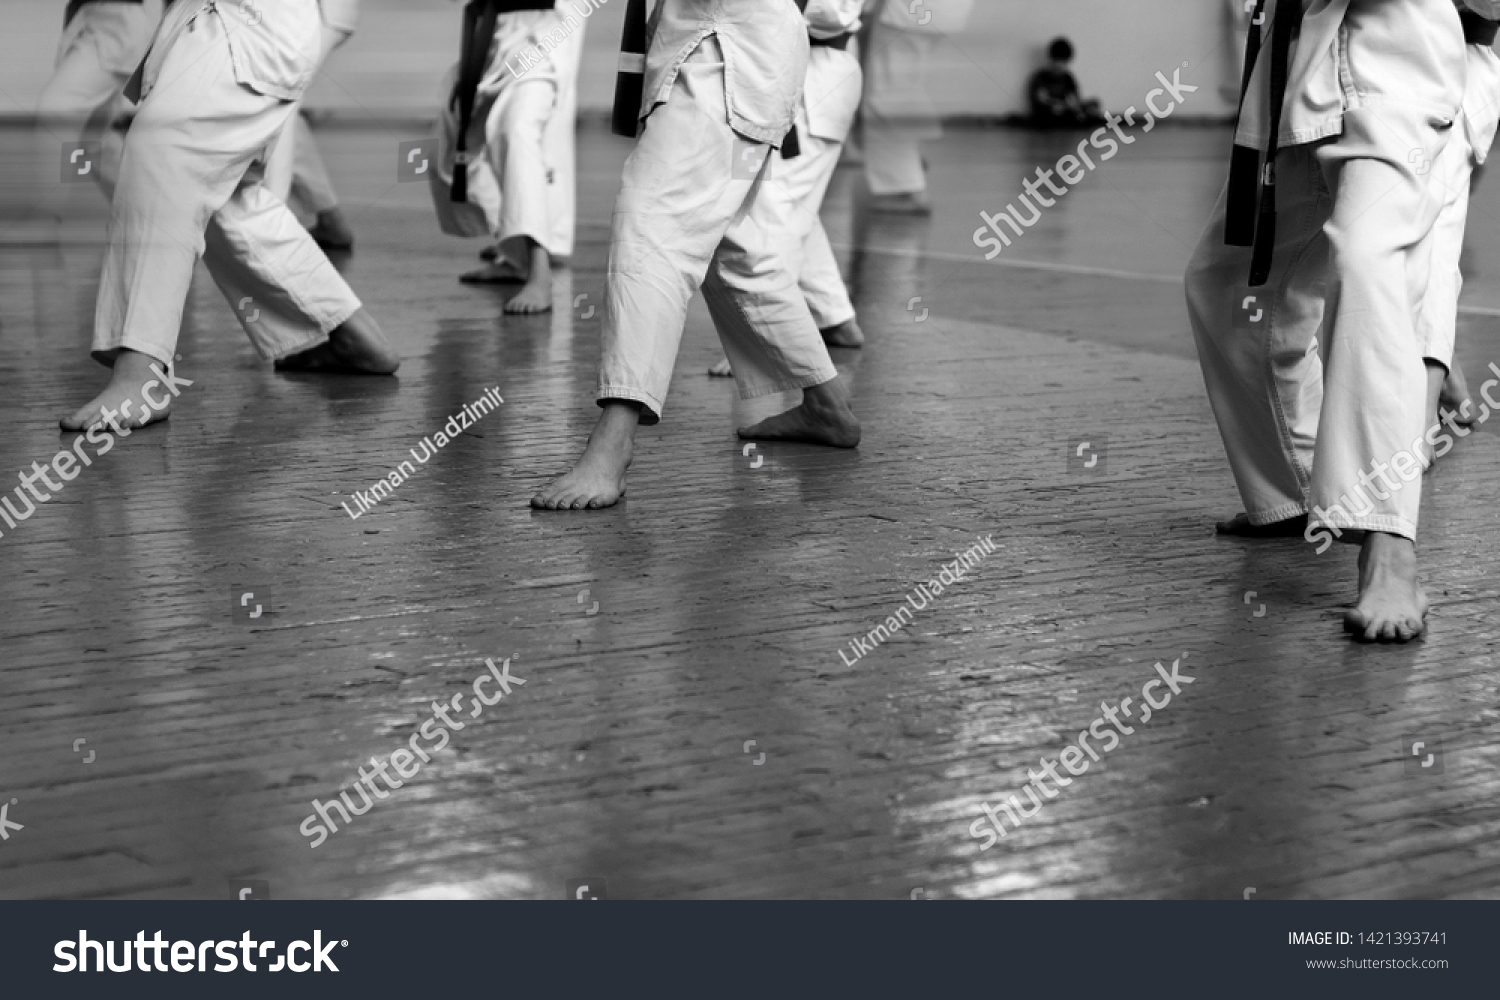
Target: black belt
1478,30
1243,225
630,80
73,6
478,35
840,42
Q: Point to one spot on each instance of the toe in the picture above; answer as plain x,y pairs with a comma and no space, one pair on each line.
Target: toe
76,422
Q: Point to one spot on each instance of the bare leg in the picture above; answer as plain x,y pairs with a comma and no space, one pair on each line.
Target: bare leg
536,295
823,417
122,400
1455,398
332,231
1436,382
1391,606
598,479
357,347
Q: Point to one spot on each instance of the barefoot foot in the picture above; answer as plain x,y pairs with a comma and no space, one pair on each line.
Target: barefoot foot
536,295
844,335
909,203
498,273
823,417
1392,606
122,404
356,347
1240,526
598,479
722,370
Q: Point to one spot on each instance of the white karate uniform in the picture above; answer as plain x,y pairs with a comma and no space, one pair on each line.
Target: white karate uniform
312,189
1372,84
829,103
294,167
100,47
723,82
1468,148
524,185
899,113
219,85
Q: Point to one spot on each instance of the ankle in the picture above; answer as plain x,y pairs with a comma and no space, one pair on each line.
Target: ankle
1386,547
830,396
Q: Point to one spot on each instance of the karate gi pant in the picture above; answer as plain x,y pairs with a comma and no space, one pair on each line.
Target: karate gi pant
99,49
898,112
515,134
691,213
1438,321
524,183
1329,433
1453,173
312,189
794,190
192,183
294,162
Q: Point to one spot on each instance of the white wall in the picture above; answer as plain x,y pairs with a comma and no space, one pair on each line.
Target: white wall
393,65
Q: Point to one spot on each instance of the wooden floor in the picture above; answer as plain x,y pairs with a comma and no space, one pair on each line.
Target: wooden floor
725,591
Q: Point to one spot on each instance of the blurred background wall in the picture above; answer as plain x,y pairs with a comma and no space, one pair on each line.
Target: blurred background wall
391,69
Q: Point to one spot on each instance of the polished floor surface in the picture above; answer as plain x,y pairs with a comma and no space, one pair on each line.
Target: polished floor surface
727,586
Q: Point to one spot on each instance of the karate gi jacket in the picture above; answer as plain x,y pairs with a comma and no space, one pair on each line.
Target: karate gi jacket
765,58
